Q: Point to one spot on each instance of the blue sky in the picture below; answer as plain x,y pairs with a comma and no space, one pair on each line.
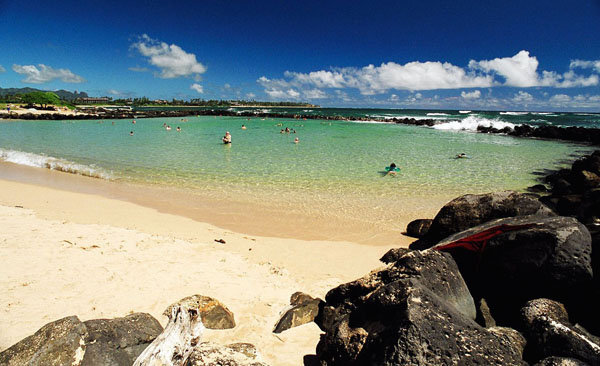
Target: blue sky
518,55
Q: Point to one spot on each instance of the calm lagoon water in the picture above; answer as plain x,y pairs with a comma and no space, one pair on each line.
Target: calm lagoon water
336,170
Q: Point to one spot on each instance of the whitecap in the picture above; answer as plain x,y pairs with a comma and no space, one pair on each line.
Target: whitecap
437,114
464,112
471,123
514,113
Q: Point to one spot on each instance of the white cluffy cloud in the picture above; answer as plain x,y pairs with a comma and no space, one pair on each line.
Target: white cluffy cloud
520,70
475,94
197,87
172,60
585,64
42,74
522,98
2,69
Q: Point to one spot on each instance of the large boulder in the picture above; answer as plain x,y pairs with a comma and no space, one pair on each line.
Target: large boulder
549,333
118,342
213,313
509,261
237,354
304,309
70,342
417,311
471,210
60,343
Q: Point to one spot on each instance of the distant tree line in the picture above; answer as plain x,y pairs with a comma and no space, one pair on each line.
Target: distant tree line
42,98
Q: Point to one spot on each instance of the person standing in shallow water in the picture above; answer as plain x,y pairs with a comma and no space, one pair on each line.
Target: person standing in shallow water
227,138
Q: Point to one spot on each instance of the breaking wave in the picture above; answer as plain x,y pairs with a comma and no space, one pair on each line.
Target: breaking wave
471,123
464,112
514,113
49,162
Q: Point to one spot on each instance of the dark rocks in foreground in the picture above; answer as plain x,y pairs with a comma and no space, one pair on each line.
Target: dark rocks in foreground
304,309
471,210
512,260
417,311
549,333
68,342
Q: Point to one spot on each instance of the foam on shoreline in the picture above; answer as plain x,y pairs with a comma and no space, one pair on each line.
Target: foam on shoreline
52,163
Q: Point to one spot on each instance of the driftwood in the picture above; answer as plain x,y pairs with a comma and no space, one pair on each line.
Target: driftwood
175,344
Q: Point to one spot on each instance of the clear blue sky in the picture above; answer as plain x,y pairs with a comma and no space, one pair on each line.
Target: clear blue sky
519,55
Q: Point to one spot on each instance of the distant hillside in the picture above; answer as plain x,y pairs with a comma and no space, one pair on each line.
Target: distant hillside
62,94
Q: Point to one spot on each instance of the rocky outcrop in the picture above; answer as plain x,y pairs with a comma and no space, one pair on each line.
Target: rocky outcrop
214,315
70,342
392,255
417,311
237,354
471,210
512,260
560,361
549,333
116,342
60,343
418,228
304,309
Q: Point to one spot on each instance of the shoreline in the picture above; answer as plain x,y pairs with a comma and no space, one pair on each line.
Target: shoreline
251,218
70,253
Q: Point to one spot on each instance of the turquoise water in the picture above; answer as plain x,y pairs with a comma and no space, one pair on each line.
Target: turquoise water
335,170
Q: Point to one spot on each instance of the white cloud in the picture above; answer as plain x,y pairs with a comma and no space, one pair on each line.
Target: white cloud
43,74
282,94
250,95
315,94
2,69
138,69
197,87
394,98
559,99
172,60
475,94
520,70
522,98
320,79
585,65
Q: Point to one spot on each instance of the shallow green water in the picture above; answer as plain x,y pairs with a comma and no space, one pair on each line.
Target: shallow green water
336,166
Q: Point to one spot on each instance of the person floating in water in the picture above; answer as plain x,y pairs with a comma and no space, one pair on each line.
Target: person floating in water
392,169
243,127
461,156
178,129
227,138
296,140
130,133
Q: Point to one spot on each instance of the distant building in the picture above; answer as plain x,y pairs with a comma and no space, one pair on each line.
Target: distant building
160,101
93,100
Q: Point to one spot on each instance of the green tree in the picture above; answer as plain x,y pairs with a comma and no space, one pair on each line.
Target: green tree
41,98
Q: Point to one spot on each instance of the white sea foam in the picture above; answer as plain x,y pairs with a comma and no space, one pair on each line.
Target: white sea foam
514,113
49,162
471,123
464,112
437,114
386,117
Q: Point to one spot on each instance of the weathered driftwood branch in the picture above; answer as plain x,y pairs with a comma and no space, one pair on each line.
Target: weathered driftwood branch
175,344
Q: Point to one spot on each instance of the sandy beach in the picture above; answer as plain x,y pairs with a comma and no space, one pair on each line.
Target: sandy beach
75,253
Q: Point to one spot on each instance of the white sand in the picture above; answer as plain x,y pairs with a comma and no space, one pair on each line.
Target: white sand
68,253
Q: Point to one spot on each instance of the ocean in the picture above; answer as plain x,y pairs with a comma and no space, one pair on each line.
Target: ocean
334,174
